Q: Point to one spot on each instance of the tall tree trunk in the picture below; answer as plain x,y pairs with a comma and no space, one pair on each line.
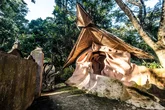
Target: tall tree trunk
161,31
158,47
161,37
161,56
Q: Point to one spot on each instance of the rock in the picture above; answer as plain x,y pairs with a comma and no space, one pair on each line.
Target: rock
17,82
38,56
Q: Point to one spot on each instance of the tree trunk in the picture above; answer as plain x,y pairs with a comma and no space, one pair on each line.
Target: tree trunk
161,55
158,47
161,31
161,37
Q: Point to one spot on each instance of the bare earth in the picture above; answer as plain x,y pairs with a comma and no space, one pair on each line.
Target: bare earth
69,98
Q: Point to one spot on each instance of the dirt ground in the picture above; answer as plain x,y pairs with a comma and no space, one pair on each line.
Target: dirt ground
69,98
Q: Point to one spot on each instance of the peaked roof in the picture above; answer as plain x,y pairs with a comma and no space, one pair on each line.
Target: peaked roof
90,34
83,19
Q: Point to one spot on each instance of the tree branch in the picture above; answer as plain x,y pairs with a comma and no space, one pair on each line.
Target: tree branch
161,31
136,24
143,10
140,16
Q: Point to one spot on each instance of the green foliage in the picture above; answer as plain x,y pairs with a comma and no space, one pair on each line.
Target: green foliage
12,23
57,35
100,11
151,65
8,31
67,72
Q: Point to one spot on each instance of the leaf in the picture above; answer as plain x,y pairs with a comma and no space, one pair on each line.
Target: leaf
33,1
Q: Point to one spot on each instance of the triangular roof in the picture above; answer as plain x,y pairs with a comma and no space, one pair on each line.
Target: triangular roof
91,33
83,18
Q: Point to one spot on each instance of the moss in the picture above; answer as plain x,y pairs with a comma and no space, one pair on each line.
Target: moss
67,72
73,90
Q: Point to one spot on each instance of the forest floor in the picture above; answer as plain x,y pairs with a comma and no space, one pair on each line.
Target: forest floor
70,98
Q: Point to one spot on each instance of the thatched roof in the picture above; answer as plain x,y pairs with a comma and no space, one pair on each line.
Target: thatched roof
90,33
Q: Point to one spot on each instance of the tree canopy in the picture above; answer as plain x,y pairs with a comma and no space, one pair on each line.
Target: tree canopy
57,35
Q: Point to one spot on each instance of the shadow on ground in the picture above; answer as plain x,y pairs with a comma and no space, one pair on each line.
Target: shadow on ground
69,98
43,103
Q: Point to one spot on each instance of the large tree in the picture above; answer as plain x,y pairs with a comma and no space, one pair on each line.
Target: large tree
12,21
157,44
